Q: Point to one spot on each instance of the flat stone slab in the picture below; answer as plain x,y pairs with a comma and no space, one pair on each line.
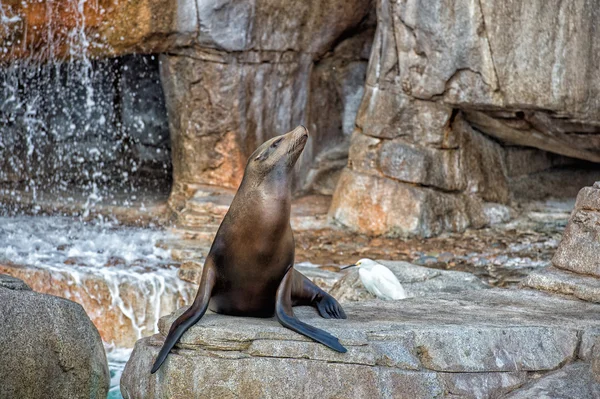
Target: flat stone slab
470,344
564,282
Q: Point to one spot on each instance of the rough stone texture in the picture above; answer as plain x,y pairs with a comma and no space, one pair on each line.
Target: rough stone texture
122,308
376,205
50,348
260,78
234,75
477,343
580,245
596,360
13,283
49,29
336,89
573,381
416,280
565,282
576,269
442,79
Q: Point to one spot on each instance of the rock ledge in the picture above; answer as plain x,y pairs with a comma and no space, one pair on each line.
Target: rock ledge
480,344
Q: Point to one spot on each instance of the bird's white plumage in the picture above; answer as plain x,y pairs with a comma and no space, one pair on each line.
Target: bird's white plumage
379,280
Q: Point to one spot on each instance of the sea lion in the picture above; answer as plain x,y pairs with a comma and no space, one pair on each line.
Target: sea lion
249,268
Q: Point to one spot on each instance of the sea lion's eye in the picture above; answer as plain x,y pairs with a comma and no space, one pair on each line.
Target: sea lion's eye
275,144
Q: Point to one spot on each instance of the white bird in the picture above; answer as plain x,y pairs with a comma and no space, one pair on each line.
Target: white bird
379,280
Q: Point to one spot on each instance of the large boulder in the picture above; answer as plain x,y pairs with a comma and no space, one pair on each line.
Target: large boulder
475,344
457,95
50,348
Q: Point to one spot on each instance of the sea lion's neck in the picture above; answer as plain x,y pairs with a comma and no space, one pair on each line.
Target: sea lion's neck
272,192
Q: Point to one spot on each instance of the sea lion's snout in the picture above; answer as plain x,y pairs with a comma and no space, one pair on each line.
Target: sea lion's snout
298,139
300,133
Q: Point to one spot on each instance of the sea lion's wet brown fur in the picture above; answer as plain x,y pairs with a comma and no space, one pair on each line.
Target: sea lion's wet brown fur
249,269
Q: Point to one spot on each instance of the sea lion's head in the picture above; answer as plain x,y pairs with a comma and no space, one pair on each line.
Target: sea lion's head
278,155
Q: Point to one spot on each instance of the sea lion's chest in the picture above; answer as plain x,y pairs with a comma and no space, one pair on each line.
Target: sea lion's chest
251,256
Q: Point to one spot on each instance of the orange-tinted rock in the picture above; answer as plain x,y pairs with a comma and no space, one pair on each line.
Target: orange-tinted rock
61,29
123,307
381,206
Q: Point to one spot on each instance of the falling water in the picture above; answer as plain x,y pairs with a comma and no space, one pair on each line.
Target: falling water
71,122
74,128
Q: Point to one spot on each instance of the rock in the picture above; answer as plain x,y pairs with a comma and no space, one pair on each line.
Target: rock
479,343
124,306
325,279
596,360
576,270
564,282
379,206
191,271
449,94
336,88
572,381
135,27
13,283
416,280
50,348
579,247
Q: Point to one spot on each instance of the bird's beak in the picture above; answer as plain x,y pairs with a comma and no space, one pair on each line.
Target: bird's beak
347,267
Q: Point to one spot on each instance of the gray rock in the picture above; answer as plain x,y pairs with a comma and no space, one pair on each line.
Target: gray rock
588,350
579,248
596,360
449,92
572,381
476,344
13,283
565,282
50,348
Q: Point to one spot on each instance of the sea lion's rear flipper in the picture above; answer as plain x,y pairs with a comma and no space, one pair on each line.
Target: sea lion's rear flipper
305,292
285,315
190,316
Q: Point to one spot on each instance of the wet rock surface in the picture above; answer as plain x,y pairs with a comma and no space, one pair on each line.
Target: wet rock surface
123,280
123,306
50,348
431,346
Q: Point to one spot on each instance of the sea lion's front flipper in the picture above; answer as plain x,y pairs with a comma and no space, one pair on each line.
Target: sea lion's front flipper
305,292
285,315
190,316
